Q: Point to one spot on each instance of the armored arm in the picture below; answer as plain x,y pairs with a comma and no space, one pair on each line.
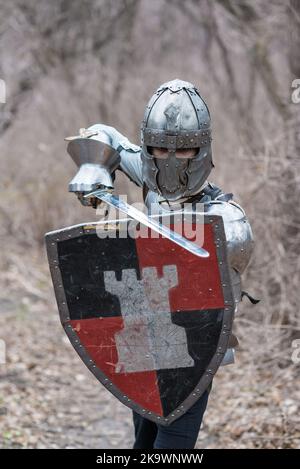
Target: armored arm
98,152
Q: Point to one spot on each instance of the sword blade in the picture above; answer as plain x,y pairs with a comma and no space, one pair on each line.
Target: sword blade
141,217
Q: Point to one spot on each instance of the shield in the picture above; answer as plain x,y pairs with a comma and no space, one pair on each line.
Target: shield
149,319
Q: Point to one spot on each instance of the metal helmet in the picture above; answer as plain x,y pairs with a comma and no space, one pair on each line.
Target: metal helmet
176,118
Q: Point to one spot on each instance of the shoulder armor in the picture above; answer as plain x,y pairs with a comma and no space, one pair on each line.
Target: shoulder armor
212,192
237,230
128,146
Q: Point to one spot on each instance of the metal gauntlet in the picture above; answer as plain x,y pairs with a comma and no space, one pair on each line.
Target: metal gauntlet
96,161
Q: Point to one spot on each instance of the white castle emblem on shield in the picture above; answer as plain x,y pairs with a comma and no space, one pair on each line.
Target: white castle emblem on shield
149,339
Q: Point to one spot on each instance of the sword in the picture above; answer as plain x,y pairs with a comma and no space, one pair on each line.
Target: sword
158,227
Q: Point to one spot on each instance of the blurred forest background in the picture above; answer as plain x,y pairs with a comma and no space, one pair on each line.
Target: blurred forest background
69,64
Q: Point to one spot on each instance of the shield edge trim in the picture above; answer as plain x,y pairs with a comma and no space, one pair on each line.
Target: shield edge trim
53,237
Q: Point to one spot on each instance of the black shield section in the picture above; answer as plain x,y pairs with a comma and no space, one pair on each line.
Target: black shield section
203,331
82,261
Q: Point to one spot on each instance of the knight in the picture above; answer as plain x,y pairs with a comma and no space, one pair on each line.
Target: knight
171,167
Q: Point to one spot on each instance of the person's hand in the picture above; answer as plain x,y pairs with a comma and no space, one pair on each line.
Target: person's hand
88,201
89,178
